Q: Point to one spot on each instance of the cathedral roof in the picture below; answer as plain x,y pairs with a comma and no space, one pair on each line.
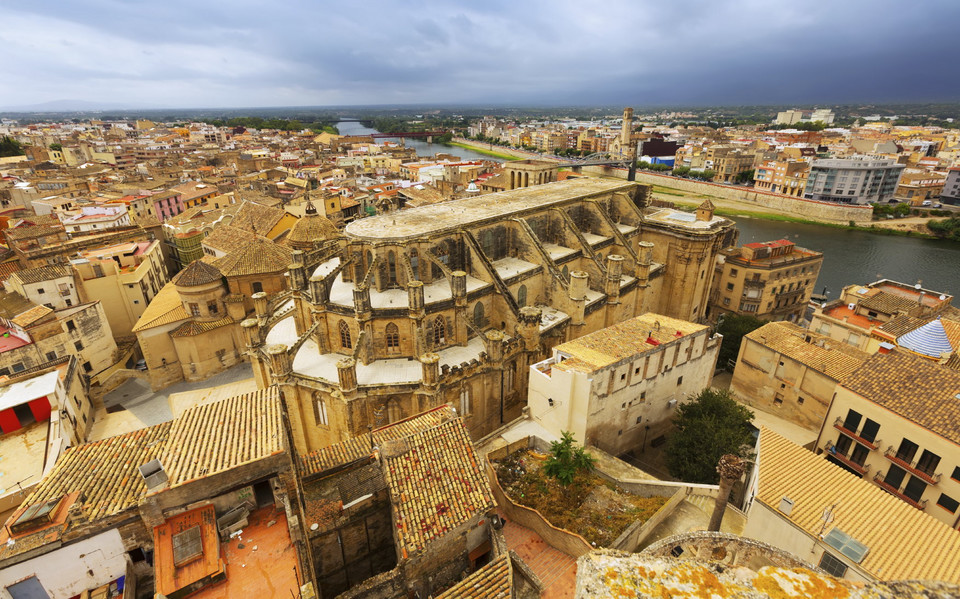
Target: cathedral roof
257,257
197,273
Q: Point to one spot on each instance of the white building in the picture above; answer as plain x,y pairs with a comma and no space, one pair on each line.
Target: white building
618,388
856,180
96,218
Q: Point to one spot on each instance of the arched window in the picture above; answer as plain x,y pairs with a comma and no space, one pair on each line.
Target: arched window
391,268
393,339
522,296
415,263
319,410
465,401
566,273
479,319
439,331
345,341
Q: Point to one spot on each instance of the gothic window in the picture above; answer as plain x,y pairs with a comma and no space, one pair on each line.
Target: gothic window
319,410
565,272
393,339
522,296
345,341
391,268
508,378
439,331
465,401
479,319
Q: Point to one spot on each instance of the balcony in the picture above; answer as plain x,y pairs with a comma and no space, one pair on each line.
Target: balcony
830,449
878,478
872,445
928,477
751,284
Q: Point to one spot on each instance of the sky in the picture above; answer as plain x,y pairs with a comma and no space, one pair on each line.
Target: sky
244,53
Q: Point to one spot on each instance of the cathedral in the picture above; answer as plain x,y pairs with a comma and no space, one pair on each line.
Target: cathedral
452,302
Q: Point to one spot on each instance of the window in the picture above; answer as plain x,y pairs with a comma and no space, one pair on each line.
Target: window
643,396
522,296
859,455
194,309
415,264
320,410
257,287
832,565
479,319
928,462
345,341
439,331
726,301
78,345
508,378
393,339
391,268
187,546
71,326
639,418
778,399
465,401
729,286
852,421
68,302
948,503
956,474
679,381
870,430
915,488
51,355
799,400
733,273
907,450
212,307
87,367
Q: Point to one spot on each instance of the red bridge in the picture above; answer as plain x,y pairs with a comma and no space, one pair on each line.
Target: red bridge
410,134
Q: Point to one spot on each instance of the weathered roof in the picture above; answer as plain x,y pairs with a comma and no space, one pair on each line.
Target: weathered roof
887,303
706,205
41,273
900,325
832,358
362,446
312,228
165,308
197,273
32,232
195,327
904,542
436,484
258,257
620,341
257,218
28,317
493,581
13,304
916,388
228,239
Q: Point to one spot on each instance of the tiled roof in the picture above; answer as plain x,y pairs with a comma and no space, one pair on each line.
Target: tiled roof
493,581
13,304
436,484
833,358
197,273
916,388
228,239
8,268
31,316
257,218
258,257
887,303
312,228
194,327
32,232
359,447
620,341
42,273
706,205
900,325
216,437
165,308
904,542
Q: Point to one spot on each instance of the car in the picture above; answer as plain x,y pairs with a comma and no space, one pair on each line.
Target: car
926,203
938,205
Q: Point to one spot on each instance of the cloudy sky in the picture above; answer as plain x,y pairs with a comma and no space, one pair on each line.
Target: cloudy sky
239,53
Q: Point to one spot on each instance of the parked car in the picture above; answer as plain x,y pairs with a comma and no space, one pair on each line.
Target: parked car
926,203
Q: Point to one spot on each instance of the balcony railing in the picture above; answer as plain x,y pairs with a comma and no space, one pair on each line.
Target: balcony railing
863,469
751,284
878,478
838,424
911,467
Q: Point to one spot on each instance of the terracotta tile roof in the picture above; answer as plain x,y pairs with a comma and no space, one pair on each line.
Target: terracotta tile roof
905,543
915,388
312,228
360,447
31,316
258,257
493,581
12,304
7,269
193,327
620,341
32,232
257,218
833,358
900,325
197,273
216,437
42,273
887,303
436,484
165,308
228,239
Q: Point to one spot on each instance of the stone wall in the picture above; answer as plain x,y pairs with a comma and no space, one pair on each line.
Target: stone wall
826,212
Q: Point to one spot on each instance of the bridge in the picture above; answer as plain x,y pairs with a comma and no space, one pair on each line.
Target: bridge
427,134
598,159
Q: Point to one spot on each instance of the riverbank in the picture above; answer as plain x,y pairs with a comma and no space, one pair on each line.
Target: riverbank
500,151
481,150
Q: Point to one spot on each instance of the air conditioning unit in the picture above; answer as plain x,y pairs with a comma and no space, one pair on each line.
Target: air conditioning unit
786,505
672,403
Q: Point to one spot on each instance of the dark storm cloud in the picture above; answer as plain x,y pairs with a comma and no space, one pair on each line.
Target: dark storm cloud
246,53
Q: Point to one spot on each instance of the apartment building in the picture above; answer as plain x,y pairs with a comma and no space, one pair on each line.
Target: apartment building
920,185
728,162
618,388
772,280
50,286
951,187
124,277
788,177
97,218
855,180
895,421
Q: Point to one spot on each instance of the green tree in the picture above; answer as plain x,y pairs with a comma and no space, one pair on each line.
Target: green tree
711,425
566,461
10,147
745,176
681,171
733,327
56,147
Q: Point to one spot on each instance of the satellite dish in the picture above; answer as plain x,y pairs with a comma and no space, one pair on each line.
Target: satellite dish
942,297
851,306
917,286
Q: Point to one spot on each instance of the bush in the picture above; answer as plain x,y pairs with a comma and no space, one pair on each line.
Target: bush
565,460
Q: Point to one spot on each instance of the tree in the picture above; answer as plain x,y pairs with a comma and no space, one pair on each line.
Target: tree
710,426
745,176
566,461
10,147
56,147
733,327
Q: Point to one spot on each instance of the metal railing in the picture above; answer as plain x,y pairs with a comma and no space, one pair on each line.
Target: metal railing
911,467
883,484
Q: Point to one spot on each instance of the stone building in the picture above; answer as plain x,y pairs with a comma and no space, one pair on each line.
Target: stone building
619,387
770,280
452,302
524,173
792,372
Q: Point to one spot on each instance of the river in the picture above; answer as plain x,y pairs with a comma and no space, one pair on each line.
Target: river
849,256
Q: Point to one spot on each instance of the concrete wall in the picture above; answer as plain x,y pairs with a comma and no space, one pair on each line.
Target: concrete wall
66,572
827,212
